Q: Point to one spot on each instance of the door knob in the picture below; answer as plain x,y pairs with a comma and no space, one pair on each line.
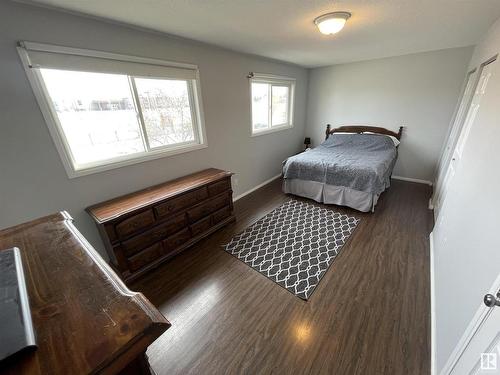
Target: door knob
490,300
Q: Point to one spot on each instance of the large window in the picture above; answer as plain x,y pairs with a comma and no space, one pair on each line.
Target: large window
272,103
107,110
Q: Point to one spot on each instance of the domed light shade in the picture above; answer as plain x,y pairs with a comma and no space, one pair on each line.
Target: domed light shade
332,23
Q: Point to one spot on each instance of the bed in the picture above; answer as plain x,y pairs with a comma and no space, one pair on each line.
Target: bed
352,167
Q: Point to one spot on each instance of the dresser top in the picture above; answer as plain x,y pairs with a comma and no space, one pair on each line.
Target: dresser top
114,208
85,319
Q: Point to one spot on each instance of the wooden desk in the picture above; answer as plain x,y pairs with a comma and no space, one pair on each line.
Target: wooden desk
86,320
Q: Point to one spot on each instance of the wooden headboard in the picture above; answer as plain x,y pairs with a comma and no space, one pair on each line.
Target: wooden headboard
361,129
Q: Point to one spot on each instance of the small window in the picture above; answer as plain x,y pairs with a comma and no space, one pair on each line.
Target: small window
272,103
105,110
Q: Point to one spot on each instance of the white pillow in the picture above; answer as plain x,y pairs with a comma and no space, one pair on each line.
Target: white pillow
394,139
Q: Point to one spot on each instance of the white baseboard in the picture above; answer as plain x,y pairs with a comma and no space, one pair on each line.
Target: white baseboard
417,180
256,187
433,306
279,175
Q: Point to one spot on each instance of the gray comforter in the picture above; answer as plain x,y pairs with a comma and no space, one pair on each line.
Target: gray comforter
363,162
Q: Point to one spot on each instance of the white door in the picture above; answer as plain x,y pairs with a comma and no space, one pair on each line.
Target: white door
442,174
485,74
482,353
465,241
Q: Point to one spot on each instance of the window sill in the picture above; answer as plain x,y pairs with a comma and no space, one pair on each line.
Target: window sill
132,159
272,130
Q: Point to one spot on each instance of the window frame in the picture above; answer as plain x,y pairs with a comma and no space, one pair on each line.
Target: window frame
56,131
273,81
192,106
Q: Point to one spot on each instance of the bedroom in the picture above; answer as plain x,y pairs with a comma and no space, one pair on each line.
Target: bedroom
395,299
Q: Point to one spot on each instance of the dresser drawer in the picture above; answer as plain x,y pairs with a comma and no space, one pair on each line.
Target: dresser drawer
201,226
134,223
176,240
207,208
181,202
219,187
145,256
221,214
156,234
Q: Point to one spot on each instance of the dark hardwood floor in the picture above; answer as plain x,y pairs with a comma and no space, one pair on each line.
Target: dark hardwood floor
370,314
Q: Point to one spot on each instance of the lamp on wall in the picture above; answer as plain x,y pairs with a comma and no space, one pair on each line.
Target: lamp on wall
332,23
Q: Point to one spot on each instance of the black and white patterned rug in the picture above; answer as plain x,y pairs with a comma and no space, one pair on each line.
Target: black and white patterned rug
294,245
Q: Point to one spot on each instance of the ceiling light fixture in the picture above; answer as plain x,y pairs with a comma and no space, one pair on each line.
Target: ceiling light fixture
332,23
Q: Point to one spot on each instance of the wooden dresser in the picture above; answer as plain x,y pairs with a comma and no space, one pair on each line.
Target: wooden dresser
86,320
143,229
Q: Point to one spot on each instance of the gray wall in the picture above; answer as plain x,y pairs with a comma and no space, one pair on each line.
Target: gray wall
466,255
418,91
33,180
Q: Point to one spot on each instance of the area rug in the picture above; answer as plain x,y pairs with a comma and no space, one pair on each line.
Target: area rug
294,244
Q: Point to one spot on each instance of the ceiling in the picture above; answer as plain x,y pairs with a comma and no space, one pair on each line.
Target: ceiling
284,29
